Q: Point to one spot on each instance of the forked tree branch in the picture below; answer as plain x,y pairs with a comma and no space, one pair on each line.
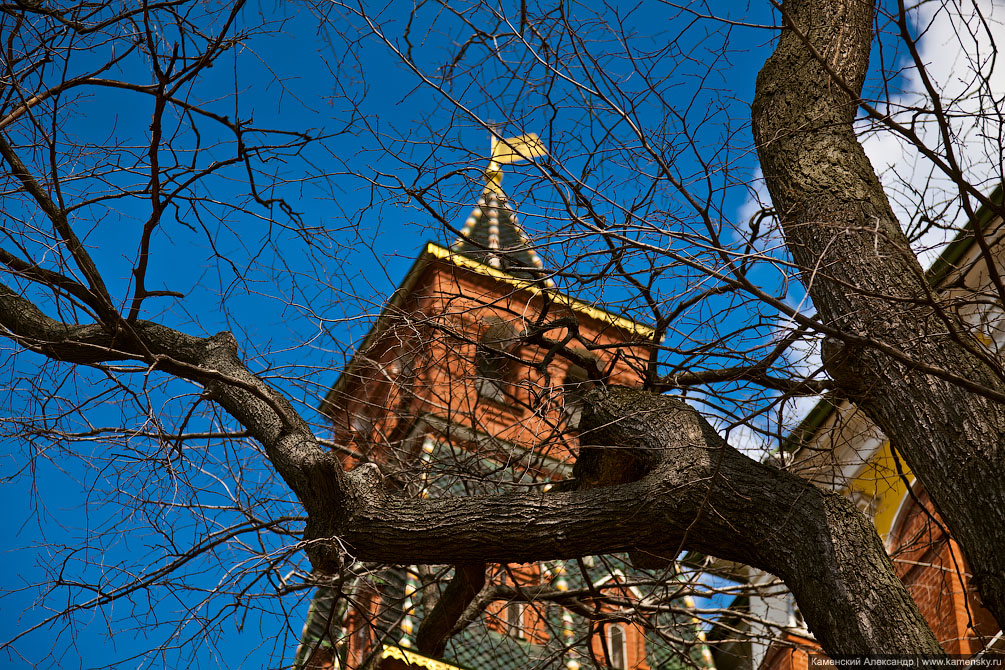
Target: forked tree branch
700,494
695,492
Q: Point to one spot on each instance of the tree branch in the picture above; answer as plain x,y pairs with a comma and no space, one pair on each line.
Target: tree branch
700,495
59,222
665,482
311,471
438,625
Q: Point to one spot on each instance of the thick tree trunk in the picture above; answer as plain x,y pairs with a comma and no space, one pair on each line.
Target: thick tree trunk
857,265
697,493
700,494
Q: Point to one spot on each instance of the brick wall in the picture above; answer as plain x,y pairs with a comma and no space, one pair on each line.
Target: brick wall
790,653
932,567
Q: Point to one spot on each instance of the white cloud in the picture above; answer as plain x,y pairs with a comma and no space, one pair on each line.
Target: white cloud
956,47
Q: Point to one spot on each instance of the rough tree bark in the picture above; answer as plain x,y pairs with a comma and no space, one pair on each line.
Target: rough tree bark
864,280
698,493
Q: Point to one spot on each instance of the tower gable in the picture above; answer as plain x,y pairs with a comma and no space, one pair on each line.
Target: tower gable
450,349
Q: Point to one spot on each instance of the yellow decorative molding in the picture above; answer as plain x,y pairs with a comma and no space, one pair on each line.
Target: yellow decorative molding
459,260
880,484
411,658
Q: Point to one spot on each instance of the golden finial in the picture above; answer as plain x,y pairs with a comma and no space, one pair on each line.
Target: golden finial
510,150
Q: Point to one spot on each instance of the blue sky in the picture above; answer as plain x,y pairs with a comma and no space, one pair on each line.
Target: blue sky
299,293
297,299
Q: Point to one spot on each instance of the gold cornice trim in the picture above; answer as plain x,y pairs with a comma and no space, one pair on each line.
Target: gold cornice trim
411,658
460,260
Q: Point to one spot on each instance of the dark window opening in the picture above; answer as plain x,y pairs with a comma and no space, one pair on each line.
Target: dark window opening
616,646
514,619
493,366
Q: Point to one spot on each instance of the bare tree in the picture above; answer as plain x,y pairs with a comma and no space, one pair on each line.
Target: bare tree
182,432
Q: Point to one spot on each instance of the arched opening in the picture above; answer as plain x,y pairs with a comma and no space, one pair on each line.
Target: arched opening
617,646
493,367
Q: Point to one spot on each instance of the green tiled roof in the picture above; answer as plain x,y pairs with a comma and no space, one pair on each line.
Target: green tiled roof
479,647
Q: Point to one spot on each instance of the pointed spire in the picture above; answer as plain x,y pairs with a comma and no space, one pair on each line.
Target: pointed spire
492,233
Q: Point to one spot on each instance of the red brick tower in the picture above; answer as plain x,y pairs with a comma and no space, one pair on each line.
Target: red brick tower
455,391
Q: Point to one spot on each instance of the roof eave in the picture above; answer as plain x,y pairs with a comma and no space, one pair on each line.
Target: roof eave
537,288
434,252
